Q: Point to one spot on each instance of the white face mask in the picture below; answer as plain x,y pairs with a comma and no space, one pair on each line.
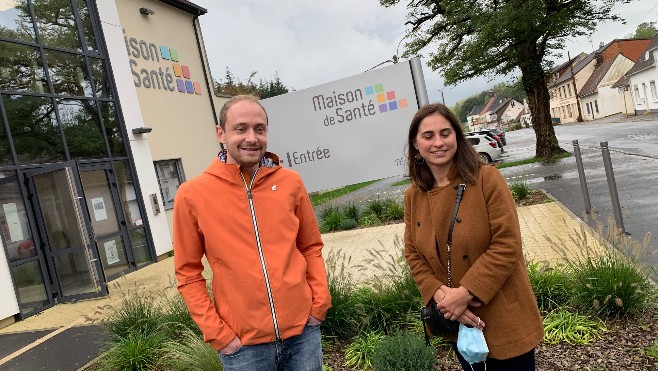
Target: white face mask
471,344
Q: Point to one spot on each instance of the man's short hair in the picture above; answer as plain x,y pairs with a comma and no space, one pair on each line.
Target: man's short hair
224,111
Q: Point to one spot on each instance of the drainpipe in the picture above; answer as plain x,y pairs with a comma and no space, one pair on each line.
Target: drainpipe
211,91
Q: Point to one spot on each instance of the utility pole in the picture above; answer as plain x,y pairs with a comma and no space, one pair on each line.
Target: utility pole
442,97
573,80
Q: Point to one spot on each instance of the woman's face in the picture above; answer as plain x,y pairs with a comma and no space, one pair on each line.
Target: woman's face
436,142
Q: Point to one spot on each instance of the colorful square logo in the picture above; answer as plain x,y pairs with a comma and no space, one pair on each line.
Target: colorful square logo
386,100
392,106
174,54
390,95
164,52
381,98
383,108
197,88
189,87
186,71
181,85
370,90
177,70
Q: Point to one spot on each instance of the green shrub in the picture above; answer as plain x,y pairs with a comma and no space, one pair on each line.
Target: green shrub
369,219
376,207
572,328
394,212
137,311
520,190
352,211
180,321
550,286
403,351
332,222
359,353
651,352
341,321
140,350
347,224
190,353
610,285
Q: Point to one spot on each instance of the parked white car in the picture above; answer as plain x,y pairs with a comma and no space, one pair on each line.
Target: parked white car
485,146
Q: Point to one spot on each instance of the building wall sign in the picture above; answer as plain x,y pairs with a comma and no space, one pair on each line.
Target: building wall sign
171,75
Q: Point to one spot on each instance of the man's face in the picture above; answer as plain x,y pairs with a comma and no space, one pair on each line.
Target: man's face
244,135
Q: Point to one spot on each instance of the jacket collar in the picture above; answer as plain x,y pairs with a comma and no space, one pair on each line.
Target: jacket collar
219,168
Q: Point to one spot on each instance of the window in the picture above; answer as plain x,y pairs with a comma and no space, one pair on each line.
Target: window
596,106
587,106
569,89
560,92
637,93
569,110
654,94
170,176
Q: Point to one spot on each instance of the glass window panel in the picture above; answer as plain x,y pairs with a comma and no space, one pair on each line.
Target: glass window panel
99,202
85,19
29,286
112,253
170,179
15,20
14,225
56,24
68,74
34,129
84,138
112,130
5,153
129,201
140,248
101,81
21,68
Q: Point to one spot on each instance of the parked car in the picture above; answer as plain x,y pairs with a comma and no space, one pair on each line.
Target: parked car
491,133
485,146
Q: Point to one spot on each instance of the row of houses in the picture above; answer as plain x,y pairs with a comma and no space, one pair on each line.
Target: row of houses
619,77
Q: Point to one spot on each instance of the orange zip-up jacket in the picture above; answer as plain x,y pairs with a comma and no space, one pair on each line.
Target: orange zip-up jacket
262,242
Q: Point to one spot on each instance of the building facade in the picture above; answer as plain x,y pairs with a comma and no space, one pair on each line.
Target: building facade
105,107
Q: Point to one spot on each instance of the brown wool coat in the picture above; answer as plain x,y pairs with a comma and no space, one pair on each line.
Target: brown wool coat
487,257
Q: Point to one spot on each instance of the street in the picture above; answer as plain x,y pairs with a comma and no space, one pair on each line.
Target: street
633,144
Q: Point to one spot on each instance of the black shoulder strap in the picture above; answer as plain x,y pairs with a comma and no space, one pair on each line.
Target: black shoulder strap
460,192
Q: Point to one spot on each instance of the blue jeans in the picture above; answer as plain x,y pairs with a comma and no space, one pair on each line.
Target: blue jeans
298,353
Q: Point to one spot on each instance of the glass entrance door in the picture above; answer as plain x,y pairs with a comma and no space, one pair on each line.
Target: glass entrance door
65,232
107,220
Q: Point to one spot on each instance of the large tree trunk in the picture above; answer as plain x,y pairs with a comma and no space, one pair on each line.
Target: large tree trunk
534,83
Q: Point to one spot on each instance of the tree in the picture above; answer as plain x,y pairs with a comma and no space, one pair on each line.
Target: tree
470,38
645,30
265,88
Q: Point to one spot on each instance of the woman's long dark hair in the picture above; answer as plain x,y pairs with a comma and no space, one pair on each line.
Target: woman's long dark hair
466,162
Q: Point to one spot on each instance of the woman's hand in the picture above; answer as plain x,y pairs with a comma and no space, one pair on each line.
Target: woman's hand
453,302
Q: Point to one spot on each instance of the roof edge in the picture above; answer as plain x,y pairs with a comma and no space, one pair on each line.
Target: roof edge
186,6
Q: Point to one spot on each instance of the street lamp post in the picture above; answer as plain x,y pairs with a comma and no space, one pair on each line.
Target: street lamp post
443,99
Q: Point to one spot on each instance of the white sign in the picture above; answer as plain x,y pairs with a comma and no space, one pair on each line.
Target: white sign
100,213
347,131
13,222
111,252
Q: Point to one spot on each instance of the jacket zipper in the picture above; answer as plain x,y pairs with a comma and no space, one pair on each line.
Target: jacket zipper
260,252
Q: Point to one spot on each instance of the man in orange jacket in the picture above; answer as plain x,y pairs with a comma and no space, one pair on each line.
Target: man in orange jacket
254,222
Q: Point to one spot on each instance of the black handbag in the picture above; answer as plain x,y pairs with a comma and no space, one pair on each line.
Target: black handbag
433,319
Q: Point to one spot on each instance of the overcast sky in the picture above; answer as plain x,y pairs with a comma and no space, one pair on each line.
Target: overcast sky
314,42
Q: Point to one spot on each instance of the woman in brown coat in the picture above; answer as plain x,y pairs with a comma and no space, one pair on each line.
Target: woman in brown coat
490,287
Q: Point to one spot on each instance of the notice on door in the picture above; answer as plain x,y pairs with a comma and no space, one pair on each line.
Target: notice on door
111,252
100,213
13,222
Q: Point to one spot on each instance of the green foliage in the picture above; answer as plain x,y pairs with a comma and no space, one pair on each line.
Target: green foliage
190,353
645,30
137,312
466,39
394,212
369,220
359,353
651,351
403,351
609,284
572,328
232,86
386,210
139,350
508,90
324,197
550,285
402,182
331,220
341,321
520,190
